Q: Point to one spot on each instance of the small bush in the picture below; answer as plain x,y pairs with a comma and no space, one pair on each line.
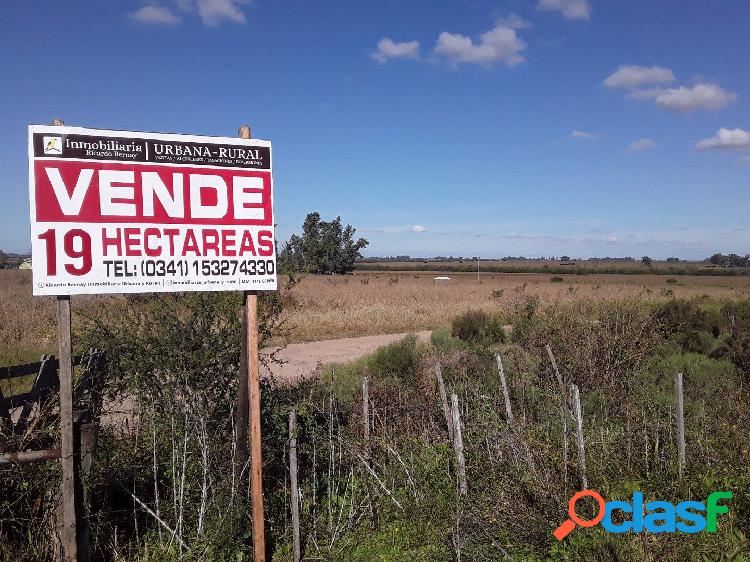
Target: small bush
557,279
444,341
476,326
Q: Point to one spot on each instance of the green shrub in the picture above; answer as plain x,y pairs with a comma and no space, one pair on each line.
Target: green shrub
693,324
444,341
478,327
392,366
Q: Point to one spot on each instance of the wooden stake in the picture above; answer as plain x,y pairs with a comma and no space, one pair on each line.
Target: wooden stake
680,422
554,366
294,485
458,445
444,400
565,412
256,460
503,384
68,534
579,433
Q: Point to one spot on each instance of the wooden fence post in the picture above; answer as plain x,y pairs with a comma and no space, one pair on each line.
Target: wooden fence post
579,433
504,386
294,485
564,411
444,400
680,422
554,366
458,445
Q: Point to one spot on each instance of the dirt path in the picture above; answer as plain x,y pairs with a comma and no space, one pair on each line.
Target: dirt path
302,359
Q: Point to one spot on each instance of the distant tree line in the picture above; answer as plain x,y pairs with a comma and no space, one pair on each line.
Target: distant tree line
391,259
11,260
730,260
325,247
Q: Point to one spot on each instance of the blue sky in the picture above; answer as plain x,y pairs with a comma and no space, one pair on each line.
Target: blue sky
537,128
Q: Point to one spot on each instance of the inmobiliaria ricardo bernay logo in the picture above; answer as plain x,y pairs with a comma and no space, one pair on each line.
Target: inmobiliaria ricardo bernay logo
653,517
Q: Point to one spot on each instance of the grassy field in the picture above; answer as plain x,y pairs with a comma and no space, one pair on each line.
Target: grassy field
378,302
324,307
619,339
28,324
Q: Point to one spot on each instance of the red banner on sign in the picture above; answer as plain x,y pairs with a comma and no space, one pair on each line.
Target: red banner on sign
96,192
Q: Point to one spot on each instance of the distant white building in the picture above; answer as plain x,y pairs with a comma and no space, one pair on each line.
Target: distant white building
25,264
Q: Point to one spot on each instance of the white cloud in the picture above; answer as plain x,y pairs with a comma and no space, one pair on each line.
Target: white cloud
571,9
701,96
633,75
583,135
642,144
418,228
514,21
389,49
213,12
155,14
499,44
726,139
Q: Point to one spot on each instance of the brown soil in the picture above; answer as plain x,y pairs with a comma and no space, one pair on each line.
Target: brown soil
301,360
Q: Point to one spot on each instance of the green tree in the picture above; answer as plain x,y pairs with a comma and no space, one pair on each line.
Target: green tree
731,260
324,247
645,260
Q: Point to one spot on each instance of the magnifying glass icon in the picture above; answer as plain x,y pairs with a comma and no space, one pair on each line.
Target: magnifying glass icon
569,524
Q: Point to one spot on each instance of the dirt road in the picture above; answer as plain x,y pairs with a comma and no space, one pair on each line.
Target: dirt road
302,359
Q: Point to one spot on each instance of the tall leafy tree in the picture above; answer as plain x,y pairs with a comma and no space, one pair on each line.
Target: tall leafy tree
731,260
324,247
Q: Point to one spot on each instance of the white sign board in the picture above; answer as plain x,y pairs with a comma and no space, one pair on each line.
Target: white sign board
128,212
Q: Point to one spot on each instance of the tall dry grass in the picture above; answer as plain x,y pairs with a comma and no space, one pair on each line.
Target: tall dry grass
376,303
325,307
28,325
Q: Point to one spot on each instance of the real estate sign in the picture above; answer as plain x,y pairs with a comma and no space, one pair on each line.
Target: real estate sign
129,212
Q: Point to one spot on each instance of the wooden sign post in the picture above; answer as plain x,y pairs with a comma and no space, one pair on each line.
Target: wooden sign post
68,536
69,531
253,386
